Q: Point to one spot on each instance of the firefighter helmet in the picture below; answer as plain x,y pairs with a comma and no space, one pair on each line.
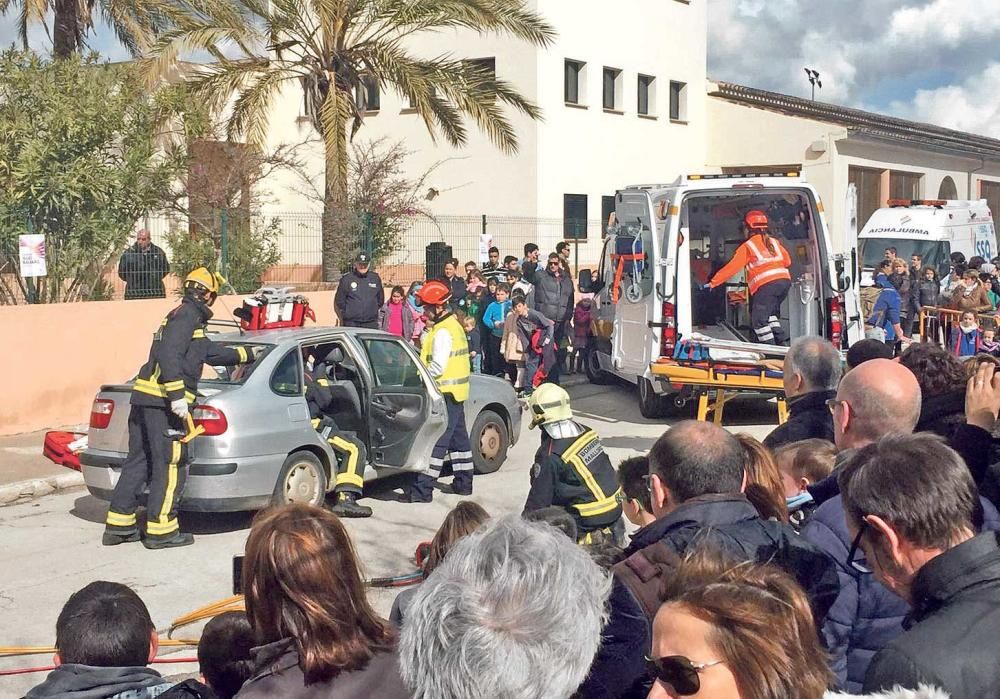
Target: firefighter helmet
756,220
549,403
434,293
202,279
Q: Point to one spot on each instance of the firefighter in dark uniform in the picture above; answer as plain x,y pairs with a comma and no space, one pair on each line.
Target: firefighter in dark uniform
572,471
349,449
164,390
360,295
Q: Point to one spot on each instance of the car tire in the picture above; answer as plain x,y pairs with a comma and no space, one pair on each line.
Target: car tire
490,441
651,405
302,479
595,374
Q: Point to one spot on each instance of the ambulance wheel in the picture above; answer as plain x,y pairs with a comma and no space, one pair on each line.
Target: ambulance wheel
651,405
490,441
594,372
302,479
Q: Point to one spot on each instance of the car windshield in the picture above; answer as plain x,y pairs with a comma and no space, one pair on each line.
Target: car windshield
932,252
235,375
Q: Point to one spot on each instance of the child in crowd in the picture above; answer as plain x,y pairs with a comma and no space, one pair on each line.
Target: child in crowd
419,319
517,282
395,316
475,343
224,653
537,335
474,301
967,336
581,333
989,345
471,268
802,464
633,474
510,345
493,321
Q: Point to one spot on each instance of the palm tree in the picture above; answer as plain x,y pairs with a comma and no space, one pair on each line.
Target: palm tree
134,22
332,49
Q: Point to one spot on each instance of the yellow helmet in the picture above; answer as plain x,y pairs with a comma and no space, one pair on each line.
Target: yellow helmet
549,403
204,279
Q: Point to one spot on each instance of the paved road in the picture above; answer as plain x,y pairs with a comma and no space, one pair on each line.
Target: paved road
50,547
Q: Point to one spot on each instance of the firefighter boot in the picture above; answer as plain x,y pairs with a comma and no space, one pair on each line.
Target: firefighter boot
347,506
113,538
169,541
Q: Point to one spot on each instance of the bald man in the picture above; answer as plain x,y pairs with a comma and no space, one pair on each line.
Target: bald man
142,267
877,398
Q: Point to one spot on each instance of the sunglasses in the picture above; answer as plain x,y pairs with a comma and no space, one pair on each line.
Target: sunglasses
832,404
679,672
856,553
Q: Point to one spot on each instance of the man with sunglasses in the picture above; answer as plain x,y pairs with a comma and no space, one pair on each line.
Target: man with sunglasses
911,504
876,399
696,478
554,300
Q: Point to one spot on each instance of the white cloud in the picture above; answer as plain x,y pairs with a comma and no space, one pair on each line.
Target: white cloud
929,60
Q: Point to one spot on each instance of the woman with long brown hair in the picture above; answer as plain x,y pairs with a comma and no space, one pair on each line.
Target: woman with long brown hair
306,602
465,518
764,488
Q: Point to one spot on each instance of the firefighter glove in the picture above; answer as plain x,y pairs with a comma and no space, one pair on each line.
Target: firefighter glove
179,408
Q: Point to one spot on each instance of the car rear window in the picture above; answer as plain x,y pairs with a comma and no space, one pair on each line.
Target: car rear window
235,375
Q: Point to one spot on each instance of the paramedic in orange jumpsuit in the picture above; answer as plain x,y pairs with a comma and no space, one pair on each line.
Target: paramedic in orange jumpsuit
766,262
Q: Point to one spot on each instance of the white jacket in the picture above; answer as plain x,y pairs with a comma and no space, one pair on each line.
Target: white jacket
922,692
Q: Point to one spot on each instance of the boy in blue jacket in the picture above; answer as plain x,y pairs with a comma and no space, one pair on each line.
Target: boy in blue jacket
493,319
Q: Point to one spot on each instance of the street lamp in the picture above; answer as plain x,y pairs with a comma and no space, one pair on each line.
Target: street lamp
814,80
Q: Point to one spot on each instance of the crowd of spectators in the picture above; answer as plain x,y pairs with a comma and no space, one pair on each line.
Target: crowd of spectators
855,550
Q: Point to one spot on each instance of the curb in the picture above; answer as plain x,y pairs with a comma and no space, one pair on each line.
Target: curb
23,491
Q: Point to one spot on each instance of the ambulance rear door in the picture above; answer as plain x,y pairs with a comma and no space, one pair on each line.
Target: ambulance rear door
633,260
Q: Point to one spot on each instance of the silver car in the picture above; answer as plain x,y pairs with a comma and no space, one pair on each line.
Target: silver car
259,445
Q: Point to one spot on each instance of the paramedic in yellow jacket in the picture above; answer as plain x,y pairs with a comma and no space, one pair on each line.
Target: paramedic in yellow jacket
445,351
766,263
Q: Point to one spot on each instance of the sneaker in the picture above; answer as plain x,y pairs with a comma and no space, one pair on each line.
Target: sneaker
113,539
168,542
347,506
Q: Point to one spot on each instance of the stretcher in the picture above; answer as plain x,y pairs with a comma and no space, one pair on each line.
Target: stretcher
725,380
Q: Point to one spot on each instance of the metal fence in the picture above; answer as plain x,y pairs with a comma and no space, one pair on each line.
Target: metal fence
275,248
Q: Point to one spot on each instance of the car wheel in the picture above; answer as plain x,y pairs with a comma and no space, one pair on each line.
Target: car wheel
595,374
490,442
302,479
651,405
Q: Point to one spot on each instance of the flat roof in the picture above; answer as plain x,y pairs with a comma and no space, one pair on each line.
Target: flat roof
863,123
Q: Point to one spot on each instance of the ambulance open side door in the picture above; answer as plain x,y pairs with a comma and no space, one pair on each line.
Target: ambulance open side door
633,261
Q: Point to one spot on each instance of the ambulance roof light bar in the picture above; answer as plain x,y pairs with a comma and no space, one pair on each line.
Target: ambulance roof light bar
917,202
741,175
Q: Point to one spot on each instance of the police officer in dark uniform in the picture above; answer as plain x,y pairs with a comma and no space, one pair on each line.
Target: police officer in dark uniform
164,390
350,450
359,296
571,470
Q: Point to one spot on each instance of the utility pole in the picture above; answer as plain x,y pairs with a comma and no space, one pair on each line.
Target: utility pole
814,80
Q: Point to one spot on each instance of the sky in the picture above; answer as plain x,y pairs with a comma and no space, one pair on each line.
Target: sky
929,60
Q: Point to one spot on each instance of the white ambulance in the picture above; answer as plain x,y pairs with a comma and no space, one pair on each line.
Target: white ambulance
933,229
666,240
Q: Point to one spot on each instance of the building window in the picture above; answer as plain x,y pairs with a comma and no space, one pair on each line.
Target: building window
612,89
368,95
947,190
575,216
904,185
678,101
647,95
607,208
868,183
573,81
990,191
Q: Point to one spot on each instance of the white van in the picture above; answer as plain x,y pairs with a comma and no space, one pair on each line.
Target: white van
667,240
933,229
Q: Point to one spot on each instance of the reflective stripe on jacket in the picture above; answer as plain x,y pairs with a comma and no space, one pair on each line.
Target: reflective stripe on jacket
454,380
764,261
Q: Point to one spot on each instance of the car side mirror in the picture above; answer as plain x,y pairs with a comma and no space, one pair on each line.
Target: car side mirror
584,281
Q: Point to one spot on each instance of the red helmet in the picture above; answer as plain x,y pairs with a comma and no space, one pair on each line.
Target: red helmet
756,219
434,293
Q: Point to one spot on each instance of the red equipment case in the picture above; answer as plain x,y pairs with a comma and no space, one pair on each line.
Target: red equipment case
274,308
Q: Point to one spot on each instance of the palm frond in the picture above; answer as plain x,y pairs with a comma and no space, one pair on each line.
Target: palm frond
250,114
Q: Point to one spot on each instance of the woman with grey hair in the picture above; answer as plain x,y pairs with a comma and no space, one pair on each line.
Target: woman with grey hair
514,611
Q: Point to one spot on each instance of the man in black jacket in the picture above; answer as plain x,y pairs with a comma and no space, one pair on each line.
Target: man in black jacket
696,475
360,295
811,374
142,267
554,300
910,503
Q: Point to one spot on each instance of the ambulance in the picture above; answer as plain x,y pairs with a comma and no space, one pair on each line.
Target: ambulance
665,241
931,228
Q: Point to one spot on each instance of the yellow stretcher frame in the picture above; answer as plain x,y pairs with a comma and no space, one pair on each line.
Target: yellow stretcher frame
709,379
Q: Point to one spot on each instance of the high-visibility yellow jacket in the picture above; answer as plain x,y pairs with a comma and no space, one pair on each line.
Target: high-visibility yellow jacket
454,380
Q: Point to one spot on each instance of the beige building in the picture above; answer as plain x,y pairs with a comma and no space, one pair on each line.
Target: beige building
755,130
